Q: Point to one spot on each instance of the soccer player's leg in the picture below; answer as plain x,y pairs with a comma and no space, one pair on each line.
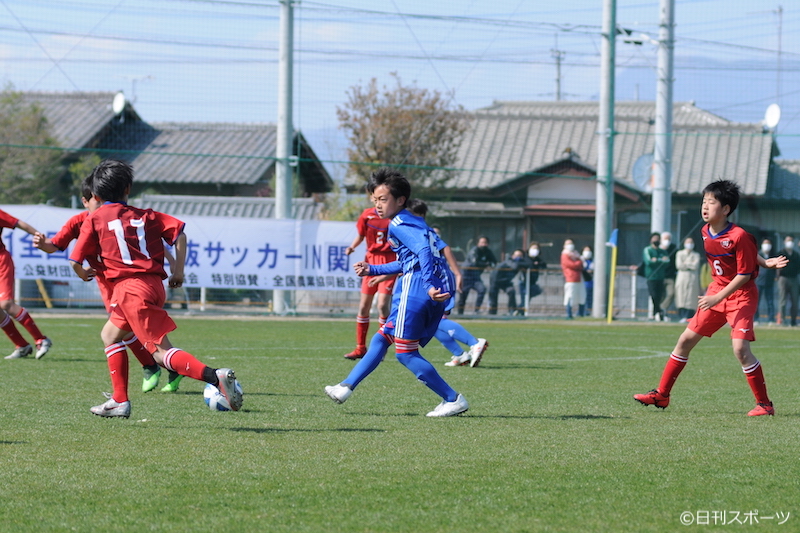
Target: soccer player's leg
377,350
150,368
118,405
742,334
446,335
362,319
21,346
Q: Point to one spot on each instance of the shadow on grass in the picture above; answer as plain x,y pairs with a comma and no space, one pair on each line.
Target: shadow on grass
13,442
299,430
512,366
544,417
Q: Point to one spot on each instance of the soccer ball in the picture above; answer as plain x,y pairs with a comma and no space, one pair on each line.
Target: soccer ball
214,398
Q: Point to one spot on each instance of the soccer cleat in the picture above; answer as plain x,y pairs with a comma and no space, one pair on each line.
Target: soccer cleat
653,398
338,393
42,347
150,380
456,407
459,360
173,382
20,352
112,409
762,409
227,386
476,351
358,353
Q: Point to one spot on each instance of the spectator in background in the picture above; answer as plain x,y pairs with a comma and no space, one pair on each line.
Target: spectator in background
479,258
536,264
502,279
655,266
687,280
588,275
670,273
572,268
787,282
766,282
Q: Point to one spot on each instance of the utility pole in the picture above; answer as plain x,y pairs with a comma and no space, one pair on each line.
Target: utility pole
558,55
780,52
604,200
661,210
281,300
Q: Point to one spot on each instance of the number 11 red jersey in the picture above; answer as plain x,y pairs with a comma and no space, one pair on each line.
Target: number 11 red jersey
129,240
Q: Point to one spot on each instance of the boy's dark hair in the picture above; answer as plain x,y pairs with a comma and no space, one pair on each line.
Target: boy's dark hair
417,207
726,192
111,180
86,188
655,234
393,179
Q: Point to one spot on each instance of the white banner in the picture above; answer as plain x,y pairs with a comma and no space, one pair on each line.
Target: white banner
223,252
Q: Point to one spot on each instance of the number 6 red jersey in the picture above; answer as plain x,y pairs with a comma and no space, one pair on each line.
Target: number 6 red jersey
129,240
731,252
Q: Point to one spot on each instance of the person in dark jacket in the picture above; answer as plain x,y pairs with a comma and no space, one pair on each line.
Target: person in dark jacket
478,259
787,283
502,279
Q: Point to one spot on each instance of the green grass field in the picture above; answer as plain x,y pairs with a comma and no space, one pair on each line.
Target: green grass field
553,440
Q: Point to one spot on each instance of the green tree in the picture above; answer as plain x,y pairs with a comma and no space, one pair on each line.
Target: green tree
416,129
29,162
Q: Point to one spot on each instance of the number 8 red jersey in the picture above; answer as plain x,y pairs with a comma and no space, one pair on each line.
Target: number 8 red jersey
730,253
129,240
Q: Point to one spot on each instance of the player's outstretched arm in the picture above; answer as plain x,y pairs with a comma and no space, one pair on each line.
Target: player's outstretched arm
176,266
43,243
361,268
773,262
24,226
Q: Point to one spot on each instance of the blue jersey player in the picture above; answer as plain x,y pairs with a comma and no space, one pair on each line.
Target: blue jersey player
420,297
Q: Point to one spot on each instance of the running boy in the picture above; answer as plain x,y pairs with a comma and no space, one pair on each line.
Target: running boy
731,298
129,242
59,242
9,308
417,306
372,228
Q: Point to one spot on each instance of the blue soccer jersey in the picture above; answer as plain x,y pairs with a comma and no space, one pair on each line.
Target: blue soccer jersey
414,314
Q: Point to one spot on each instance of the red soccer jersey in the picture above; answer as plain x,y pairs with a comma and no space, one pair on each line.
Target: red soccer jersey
128,240
6,221
69,231
730,253
375,229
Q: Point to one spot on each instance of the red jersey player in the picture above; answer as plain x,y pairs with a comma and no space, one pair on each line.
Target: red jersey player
130,243
9,308
731,298
69,232
373,229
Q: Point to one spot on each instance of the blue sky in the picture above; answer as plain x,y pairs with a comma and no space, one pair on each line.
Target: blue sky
216,61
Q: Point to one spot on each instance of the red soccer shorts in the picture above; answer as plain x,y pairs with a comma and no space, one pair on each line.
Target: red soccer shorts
737,310
6,276
138,306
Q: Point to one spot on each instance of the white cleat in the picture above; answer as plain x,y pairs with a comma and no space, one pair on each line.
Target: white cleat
227,386
338,393
20,352
112,409
457,407
459,360
476,352
42,347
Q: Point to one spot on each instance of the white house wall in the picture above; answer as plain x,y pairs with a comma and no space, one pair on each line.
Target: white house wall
562,190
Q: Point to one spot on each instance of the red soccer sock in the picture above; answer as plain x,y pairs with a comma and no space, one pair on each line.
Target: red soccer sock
27,322
382,320
362,328
672,370
10,329
755,378
144,357
184,363
117,358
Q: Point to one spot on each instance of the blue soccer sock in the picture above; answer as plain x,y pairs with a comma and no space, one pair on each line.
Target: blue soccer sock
448,342
377,349
427,374
459,332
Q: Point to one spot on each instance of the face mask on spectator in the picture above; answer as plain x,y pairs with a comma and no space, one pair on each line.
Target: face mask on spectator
789,245
688,245
533,252
569,247
665,244
766,247
587,254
